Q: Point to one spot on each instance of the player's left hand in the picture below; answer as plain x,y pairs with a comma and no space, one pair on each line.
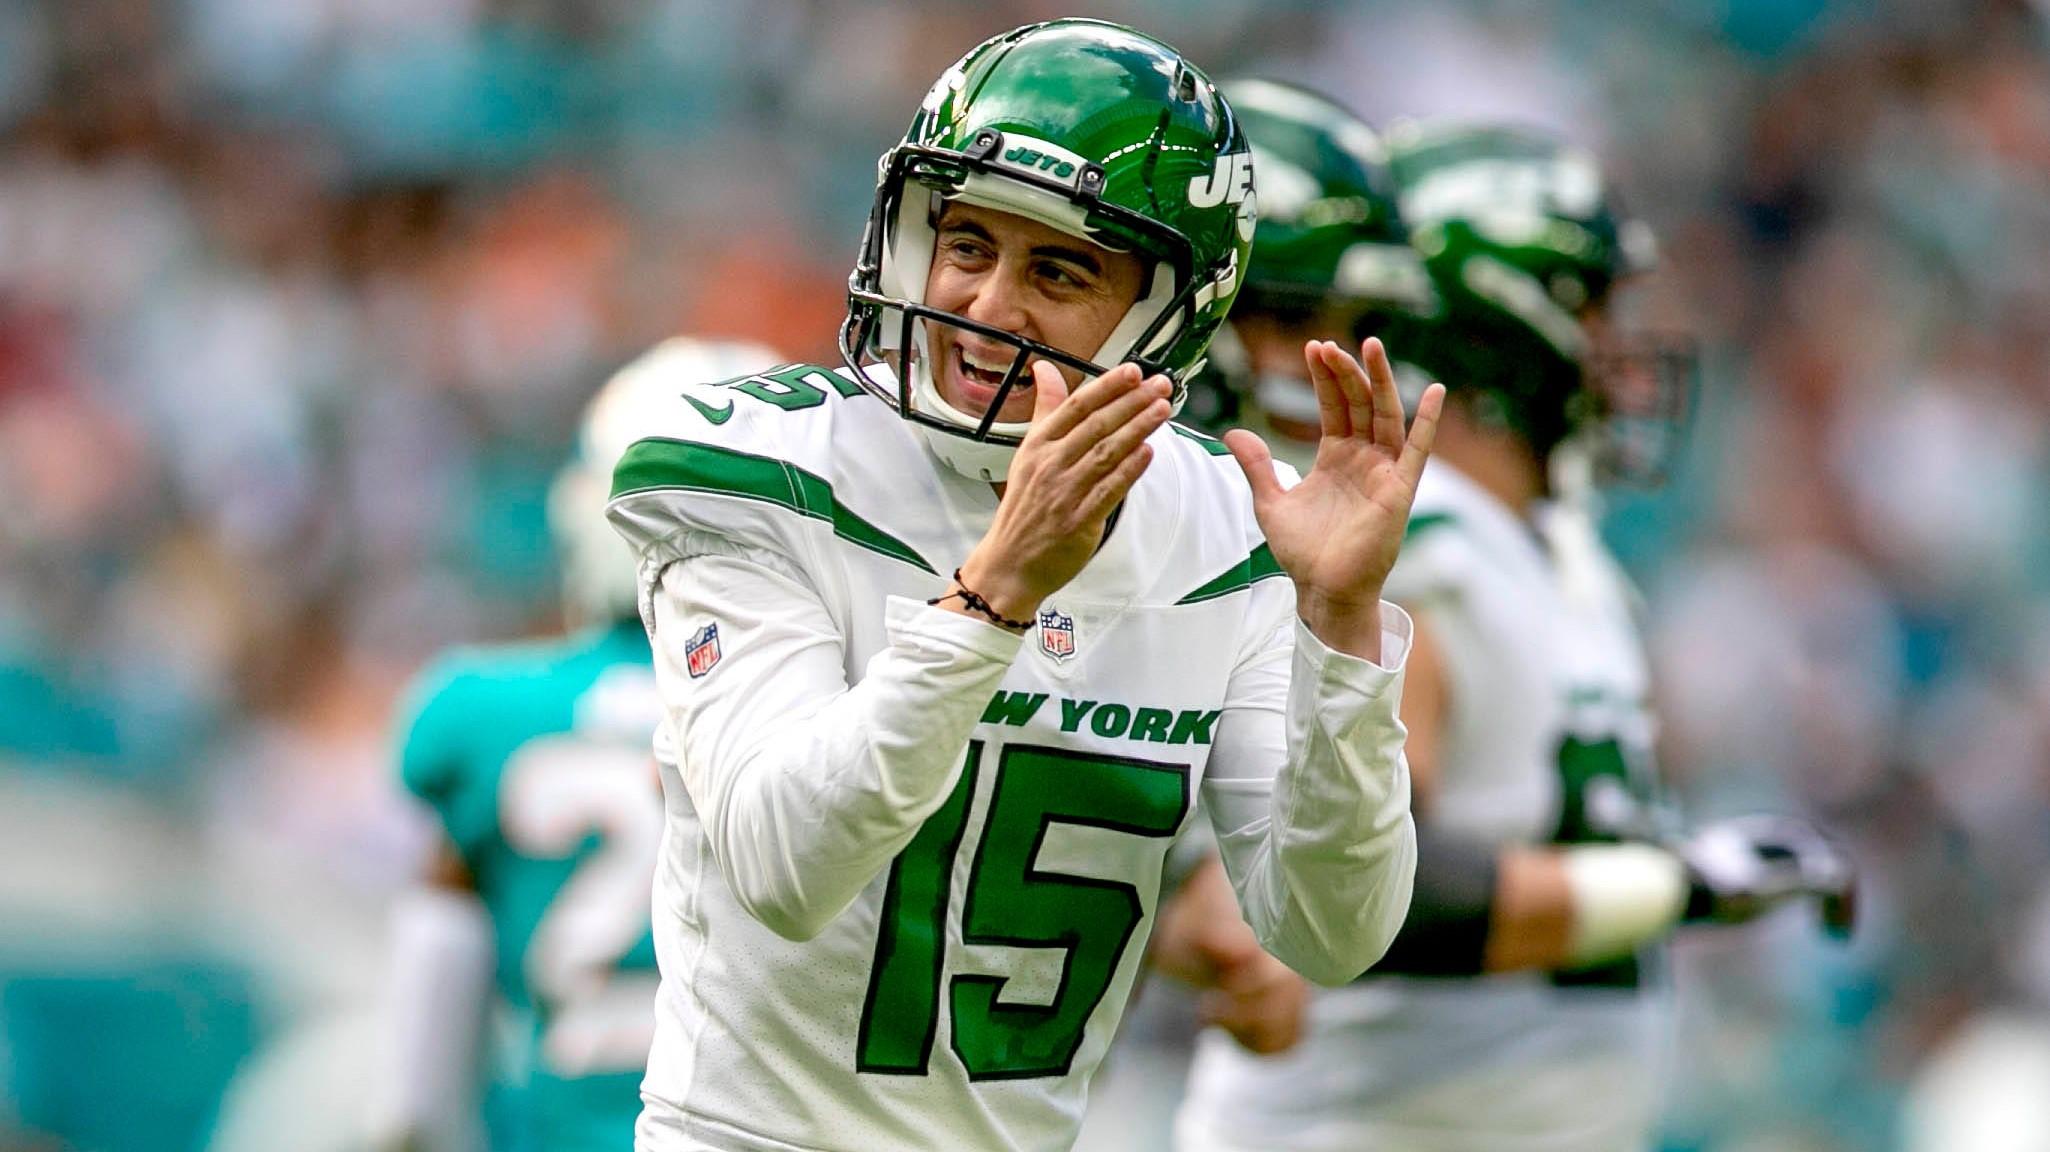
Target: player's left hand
1337,532
1739,869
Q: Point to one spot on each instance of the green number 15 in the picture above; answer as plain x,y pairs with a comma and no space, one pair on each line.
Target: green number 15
1011,902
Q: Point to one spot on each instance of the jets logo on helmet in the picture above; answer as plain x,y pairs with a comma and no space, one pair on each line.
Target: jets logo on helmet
1231,181
1043,158
1328,241
1089,128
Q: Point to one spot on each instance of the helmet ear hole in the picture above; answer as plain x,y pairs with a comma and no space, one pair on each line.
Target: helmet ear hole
1490,410
1569,291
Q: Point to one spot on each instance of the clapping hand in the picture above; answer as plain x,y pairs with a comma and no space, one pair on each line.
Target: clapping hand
1337,532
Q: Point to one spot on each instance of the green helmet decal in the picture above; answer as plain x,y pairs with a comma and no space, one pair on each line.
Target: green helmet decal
1087,127
1522,236
1329,229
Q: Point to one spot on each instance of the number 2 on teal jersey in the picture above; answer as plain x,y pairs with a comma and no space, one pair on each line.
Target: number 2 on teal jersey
559,791
1011,902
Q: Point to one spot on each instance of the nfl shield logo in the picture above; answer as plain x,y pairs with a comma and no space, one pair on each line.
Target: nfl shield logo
1056,635
701,651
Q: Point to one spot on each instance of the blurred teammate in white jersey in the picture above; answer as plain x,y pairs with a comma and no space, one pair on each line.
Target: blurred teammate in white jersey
1520,1008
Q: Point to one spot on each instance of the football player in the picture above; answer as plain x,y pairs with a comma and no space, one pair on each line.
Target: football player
950,638
535,761
1518,1009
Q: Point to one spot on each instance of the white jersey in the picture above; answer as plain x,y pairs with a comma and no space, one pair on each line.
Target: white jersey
911,861
1548,740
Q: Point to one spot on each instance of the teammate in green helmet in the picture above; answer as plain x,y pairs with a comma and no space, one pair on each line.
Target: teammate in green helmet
1331,259
1519,1009
1530,249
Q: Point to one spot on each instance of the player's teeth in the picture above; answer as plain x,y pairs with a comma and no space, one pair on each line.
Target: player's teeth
970,371
991,376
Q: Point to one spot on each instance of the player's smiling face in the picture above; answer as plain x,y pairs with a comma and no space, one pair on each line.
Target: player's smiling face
1027,279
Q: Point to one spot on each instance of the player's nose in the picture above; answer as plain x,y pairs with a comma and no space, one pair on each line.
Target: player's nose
998,300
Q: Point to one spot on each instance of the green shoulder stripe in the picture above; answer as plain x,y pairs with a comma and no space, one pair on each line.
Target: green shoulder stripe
1420,524
1210,444
679,465
1253,569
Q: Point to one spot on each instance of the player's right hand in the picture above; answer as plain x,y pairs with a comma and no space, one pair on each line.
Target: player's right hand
1201,940
1082,455
1259,1001
1741,868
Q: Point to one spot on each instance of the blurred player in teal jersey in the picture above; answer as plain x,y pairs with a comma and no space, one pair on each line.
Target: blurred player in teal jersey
535,759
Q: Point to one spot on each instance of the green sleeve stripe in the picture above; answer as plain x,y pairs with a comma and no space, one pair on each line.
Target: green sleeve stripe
1259,566
1418,525
1210,444
677,465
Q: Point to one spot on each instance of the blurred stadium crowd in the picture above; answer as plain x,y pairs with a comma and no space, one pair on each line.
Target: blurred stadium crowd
298,300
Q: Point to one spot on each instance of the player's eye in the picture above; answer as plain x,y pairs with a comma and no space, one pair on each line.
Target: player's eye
967,248
1061,275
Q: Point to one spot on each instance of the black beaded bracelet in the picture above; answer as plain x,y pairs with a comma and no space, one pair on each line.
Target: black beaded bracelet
979,606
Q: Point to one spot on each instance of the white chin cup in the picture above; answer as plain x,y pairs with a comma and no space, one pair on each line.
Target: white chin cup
975,459
961,451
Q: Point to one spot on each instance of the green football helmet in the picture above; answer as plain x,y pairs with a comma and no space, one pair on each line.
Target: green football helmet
1525,243
1329,228
1330,249
1087,127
